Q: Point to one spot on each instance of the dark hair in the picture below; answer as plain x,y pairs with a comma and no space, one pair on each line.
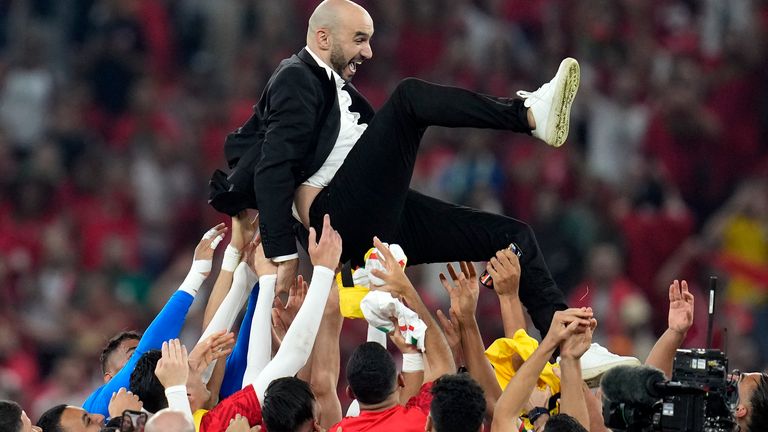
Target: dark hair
458,404
113,344
371,373
50,421
287,405
758,417
563,423
144,382
10,416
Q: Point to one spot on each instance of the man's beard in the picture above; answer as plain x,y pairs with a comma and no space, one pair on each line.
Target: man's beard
338,63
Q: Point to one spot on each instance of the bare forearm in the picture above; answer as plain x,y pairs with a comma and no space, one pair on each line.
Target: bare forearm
512,316
413,382
663,353
326,360
572,401
479,367
595,411
520,388
437,351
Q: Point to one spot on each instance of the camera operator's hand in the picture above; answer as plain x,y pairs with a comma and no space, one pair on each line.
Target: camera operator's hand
173,367
123,400
680,307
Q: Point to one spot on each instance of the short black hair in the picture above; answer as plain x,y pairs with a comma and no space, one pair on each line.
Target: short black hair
288,404
10,416
563,423
371,373
112,345
458,404
50,421
758,417
144,382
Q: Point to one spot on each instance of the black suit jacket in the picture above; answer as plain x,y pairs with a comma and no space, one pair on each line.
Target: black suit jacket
290,134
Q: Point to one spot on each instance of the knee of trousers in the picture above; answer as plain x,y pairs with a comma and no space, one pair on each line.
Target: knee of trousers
408,86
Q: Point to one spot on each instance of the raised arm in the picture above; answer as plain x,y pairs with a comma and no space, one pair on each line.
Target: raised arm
505,270
437,352
297,344
572,400
168,322
521,385
464,292
680,320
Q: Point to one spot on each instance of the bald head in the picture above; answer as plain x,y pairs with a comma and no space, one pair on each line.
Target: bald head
168,420
339,32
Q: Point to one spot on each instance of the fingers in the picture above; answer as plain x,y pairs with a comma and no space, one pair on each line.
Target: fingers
312,237
444,321
452,272
686,294
385,255
447,285
468,269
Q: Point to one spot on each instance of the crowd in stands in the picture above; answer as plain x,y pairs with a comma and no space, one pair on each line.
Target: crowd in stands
113,115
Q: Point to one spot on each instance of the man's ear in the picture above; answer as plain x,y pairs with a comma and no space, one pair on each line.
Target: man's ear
350,393
741,411
107,376
323,39
400,380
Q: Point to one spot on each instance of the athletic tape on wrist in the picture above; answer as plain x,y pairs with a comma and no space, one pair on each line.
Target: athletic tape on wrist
413,362
231,258
201,266
193,281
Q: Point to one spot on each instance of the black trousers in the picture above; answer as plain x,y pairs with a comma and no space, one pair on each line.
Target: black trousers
370,195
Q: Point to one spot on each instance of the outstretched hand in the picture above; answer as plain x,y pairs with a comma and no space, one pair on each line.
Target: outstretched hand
173,367
567,322
207,245
214,347
395,280
464,291
327,251
259,263
283,315
680,307
505,270
243,229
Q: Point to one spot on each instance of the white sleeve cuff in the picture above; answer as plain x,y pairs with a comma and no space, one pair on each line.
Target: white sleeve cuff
282,258
322,270
177,399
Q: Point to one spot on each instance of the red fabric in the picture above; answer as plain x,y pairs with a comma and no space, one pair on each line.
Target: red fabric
243,402
411,417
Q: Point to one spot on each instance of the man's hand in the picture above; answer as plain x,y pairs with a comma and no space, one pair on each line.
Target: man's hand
215,346
243,229
464,291
123,400
396,336
240,424
452,332
567,322
578,342
504,268
206,247
173,367
327,251
395,280
283,315
680,307
259,263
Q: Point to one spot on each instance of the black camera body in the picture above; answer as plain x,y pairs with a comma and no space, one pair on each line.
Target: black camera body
698,398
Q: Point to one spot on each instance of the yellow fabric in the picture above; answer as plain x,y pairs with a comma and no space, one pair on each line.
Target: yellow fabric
350,298
744,237
198,417
500,355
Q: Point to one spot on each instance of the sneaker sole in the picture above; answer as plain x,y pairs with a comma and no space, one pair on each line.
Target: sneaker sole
592,376
565,93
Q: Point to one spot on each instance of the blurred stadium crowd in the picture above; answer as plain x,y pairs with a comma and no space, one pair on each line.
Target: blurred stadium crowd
113,115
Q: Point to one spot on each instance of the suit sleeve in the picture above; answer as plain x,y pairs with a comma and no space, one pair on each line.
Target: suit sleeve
294,101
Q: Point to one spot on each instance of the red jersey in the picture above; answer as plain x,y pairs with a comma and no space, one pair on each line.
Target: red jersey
243,402
411,417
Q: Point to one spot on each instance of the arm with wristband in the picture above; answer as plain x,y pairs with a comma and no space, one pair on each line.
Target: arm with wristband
167,324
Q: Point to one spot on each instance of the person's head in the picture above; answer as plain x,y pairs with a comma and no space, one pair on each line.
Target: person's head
339,32
289,406
144,382
563,423
752,407
372,377
67,418
458,405
169,420
14,419
117,352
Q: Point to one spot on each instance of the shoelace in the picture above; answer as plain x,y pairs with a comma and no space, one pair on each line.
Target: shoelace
534,94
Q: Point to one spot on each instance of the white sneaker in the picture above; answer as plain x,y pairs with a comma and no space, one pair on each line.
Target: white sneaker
597,360
551,103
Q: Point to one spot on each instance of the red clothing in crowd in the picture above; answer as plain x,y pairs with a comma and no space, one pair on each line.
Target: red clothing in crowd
411,417
243,402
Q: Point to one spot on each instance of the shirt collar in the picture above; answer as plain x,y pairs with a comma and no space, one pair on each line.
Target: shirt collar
331,73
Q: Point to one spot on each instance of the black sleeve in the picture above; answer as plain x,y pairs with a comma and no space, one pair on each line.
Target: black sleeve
294,100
